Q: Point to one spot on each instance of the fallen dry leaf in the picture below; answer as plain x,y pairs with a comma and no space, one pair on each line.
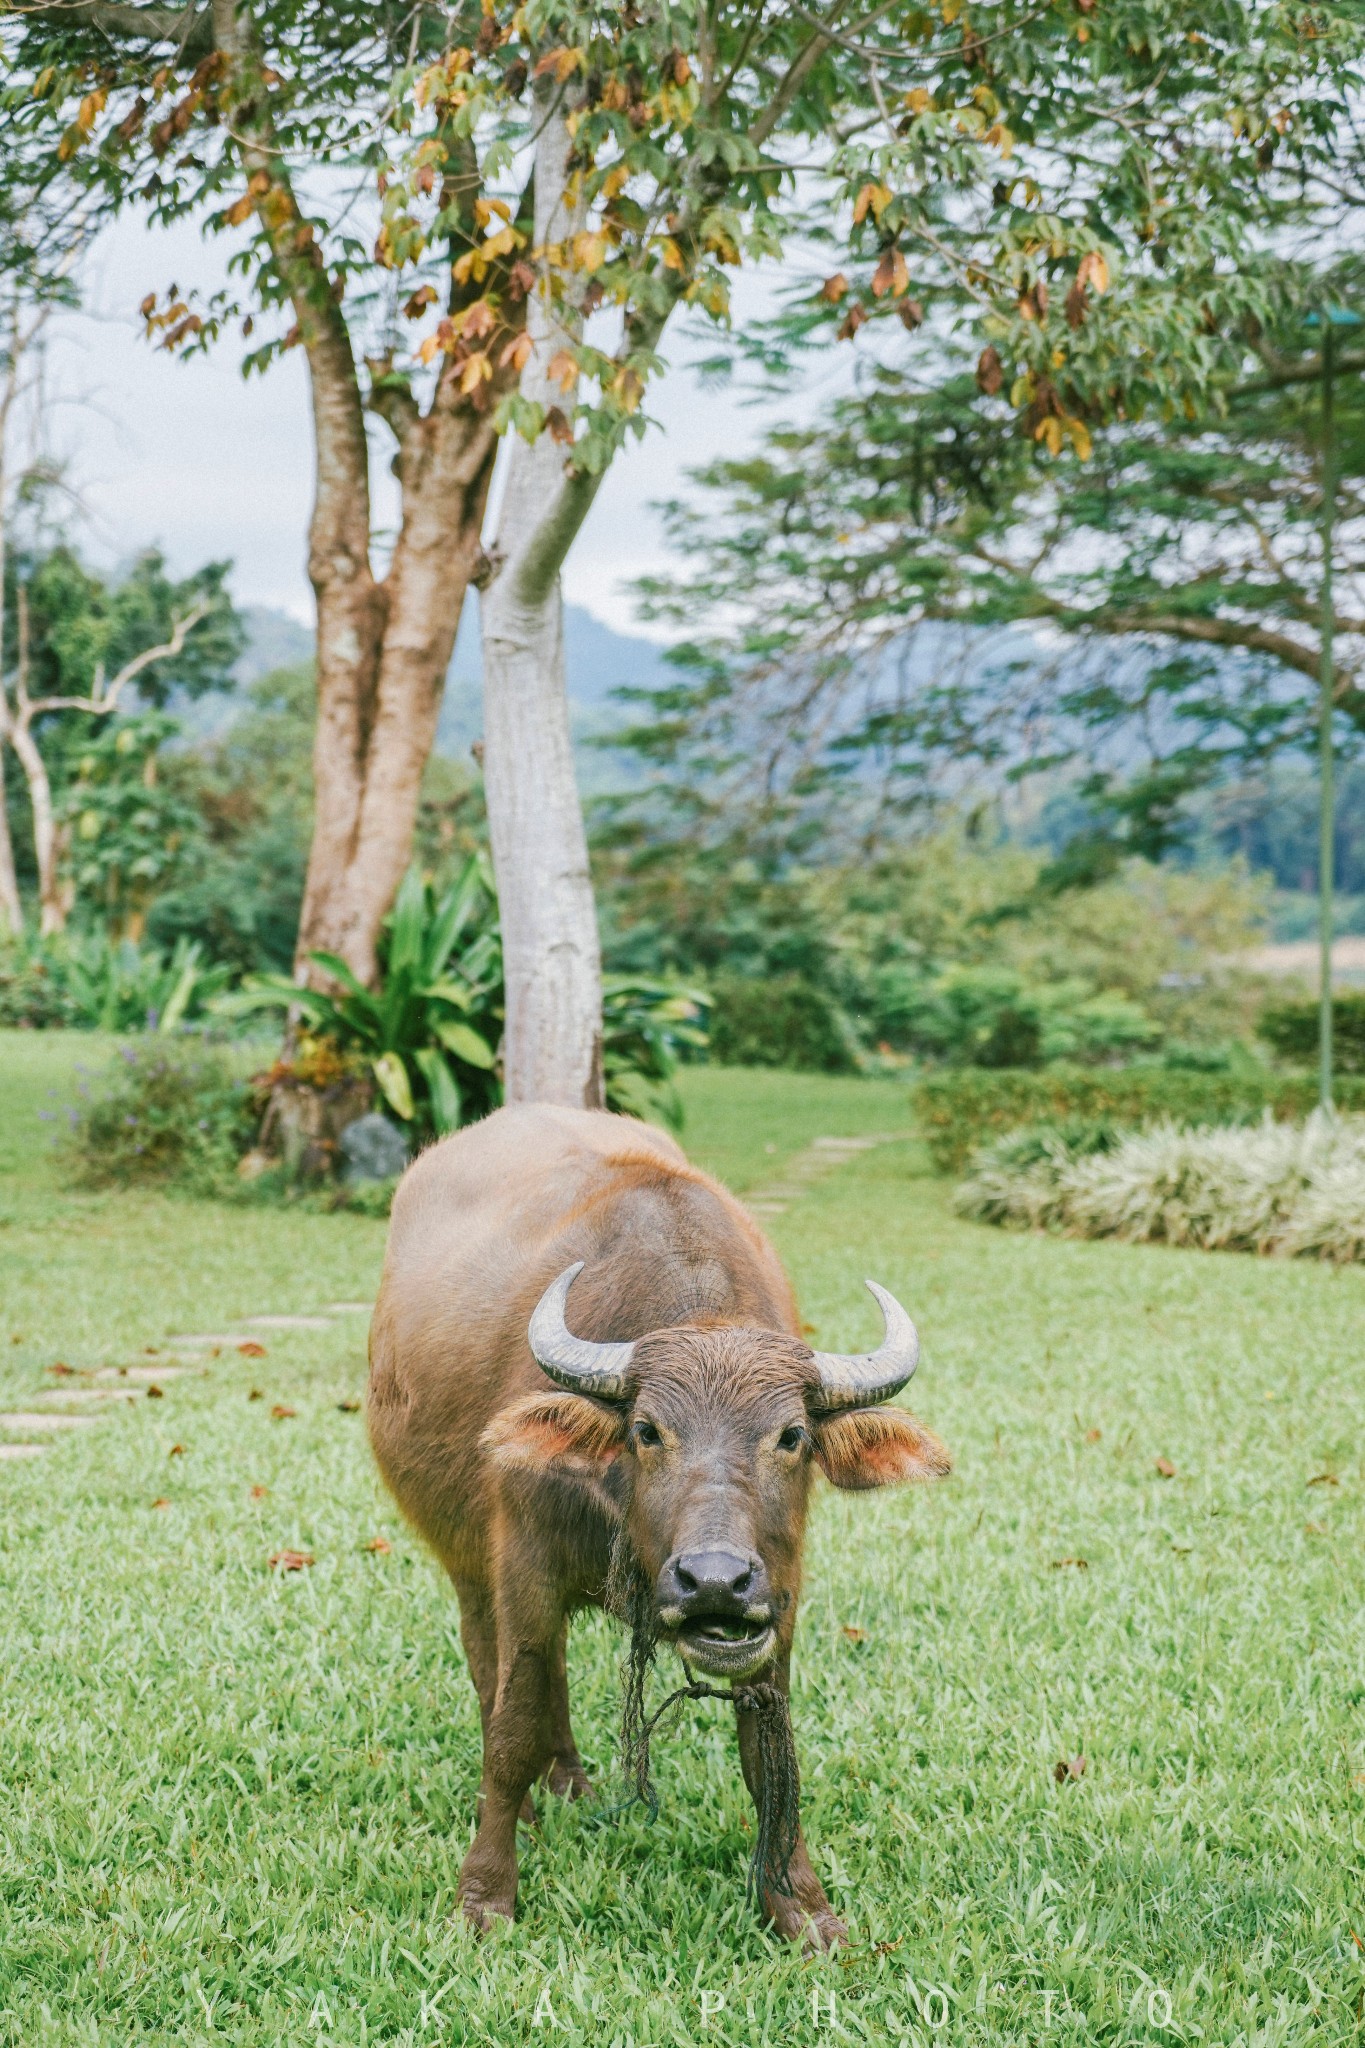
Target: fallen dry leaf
151,1350
1165,1468
66,1372
291,1560
154,1393
349,1407
161,1502
1059,1564
259,1492
1068,1767
855,1635
1092,1436
176,1451
251,1349
281,1413
1324,1479
379,1545
256,1394
887,1948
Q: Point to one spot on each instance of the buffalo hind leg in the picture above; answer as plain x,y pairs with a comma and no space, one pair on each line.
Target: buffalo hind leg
566,1776
479,1634
804,1914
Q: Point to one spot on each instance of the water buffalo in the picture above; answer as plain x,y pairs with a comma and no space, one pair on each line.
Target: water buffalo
682,1421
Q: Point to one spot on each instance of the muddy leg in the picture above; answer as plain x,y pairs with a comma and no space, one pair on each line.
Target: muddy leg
805,1914
516,1749
566,1776
479,1634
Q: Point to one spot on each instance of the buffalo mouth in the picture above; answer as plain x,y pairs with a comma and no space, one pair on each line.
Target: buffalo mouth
726,1645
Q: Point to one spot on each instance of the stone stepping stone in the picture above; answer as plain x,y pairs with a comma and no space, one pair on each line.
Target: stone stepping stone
87,1394
21,1451
348,1308
26,1424
143,1375
287,1323
219,1337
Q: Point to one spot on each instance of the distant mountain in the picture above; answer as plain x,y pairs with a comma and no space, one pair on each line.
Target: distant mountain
273,640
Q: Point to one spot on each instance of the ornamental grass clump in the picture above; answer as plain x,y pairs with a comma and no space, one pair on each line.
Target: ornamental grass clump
1289,1189
165,1113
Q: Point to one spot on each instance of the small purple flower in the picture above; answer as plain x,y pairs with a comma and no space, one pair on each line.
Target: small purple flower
73,1117
47,1116
131,1122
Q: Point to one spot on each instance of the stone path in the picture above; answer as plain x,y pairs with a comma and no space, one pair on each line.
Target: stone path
800,1174
115,1383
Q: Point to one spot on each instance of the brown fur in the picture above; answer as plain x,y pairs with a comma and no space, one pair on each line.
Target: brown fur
521,1489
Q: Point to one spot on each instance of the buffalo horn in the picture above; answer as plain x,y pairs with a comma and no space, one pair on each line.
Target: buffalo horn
576,1362
858,1382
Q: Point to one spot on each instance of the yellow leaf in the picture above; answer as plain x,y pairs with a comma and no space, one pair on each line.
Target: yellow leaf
515,354
1050,431
501,244
485,209
1094,271
629,388
563,370
429,349
476,371
589,251
616,180
919,101
1080,438
239,211
392,1077
877,197
672,254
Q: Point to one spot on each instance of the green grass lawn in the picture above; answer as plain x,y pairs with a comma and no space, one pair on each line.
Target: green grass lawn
233,1804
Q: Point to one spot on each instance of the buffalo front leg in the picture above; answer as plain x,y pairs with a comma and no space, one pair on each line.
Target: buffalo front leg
567,1776
479,1634
518,1735
804,1913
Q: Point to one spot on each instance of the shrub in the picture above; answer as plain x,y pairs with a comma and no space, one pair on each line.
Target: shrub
994,1017
961,1108
780,1020
165,1113
1293,1189
94,983
1291,1030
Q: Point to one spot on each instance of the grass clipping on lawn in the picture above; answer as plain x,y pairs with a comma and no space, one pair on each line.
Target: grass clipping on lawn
1296,1190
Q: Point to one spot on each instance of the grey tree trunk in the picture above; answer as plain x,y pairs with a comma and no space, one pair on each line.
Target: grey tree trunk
552,954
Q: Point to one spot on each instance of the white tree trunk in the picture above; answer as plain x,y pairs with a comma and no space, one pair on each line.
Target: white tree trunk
51,905
552,955
11,909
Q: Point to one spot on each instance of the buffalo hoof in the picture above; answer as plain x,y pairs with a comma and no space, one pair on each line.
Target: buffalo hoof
817,1930
567,1778
483,1914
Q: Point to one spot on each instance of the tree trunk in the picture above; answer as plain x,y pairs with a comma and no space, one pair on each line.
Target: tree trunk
383,652
11,909
551,951
51,902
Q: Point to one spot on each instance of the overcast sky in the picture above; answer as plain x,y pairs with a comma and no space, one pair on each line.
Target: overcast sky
189,456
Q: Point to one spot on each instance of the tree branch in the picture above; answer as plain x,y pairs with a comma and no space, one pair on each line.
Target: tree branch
189,28
104,696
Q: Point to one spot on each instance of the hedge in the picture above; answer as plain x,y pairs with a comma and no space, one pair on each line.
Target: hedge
1291,1028
960,1108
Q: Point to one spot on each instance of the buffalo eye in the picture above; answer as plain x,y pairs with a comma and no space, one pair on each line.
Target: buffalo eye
792,1437
647,1433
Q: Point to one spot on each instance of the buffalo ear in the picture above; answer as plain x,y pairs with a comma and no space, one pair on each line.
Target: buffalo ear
544,1431
877,1447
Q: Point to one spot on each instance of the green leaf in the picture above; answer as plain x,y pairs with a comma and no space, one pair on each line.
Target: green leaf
442,1087
337,968
466,1044
392,1077
407,921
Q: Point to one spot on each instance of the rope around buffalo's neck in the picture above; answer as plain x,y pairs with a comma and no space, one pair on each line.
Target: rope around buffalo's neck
629,1597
